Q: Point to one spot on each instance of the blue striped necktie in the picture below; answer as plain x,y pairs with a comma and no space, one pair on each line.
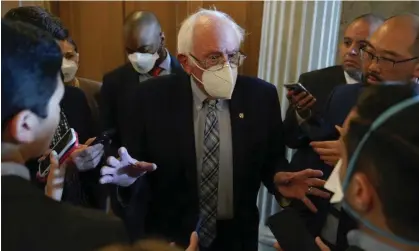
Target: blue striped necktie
209,177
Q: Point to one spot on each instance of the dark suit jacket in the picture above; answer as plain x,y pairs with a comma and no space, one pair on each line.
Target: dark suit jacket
32,221
162,132
116,93
92,91
89,192
342,99
116,97
320,83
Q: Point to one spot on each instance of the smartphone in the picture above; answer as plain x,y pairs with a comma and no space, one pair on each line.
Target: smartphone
290,231
296,88
65,146
105,138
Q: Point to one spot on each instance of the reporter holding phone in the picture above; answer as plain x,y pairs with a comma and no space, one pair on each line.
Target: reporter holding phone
308,108
81,183
30,111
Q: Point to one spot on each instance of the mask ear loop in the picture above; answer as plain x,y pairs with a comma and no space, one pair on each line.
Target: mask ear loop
351,166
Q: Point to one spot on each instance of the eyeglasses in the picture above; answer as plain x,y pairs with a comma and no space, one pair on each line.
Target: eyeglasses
384,62
235,60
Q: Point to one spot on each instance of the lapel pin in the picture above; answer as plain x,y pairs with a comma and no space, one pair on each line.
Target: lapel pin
241,115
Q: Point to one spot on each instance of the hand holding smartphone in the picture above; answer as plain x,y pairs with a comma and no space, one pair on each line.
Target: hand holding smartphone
67,144
296,88
300,98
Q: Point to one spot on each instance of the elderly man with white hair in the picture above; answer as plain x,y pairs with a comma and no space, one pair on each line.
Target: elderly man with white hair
205,140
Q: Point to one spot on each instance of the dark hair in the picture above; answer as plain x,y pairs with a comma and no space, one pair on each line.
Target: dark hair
42,19
30,64
390,156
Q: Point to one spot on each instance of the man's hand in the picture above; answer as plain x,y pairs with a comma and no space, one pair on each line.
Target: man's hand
125,171
87,157
318,241
329,151
55,181
193,243
296,185
302,101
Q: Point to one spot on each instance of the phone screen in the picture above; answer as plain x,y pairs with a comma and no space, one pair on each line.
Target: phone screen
297,88
290,231
66,143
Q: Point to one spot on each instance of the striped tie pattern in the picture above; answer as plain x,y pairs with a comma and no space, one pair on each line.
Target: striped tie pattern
209,178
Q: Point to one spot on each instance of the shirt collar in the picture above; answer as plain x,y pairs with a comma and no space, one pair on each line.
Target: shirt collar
15,169
349,79
166,62
366,242
199,97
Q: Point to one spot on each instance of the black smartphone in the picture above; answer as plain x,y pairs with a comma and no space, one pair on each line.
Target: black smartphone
67,144
105,138
296,88
290,231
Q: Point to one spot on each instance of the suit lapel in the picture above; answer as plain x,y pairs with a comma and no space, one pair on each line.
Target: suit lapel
340,75
132,77
237,118
175,65
182,115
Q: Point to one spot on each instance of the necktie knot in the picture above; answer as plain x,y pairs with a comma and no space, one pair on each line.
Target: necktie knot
212,103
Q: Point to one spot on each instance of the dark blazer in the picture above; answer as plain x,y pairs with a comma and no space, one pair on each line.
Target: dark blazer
320,83
92,91
89,192
116,93
78,113
115,101
36,222
342,99
162,132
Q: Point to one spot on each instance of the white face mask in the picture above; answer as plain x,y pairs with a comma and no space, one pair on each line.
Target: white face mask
69,69
219,84
143,62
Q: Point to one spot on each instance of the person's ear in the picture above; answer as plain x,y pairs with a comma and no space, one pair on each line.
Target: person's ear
22,128
163,38
360,193
185,62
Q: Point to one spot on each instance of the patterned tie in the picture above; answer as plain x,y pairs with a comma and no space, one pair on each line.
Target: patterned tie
209,178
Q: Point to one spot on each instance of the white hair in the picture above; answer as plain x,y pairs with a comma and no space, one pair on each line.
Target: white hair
185,35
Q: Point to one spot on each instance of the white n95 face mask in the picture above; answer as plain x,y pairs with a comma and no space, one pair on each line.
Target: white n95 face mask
220,83
143,62
69,69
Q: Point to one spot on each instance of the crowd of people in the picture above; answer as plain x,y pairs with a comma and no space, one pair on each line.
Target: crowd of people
192,140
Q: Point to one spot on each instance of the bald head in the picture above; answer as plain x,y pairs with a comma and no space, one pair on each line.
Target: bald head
408,24
142,33
139,18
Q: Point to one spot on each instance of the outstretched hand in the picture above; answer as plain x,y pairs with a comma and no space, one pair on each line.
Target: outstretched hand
125,170
296,185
